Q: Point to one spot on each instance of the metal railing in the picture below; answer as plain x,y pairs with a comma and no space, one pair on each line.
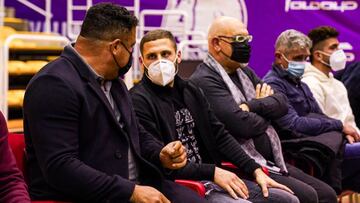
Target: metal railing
180,31
193,49
47,12
4,58
73,26
2,12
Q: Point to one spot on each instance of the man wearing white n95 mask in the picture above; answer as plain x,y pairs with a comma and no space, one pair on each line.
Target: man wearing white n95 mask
331,94
161,72
174,109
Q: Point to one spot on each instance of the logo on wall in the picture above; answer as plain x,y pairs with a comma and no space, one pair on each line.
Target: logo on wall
320,5
200,13
348,49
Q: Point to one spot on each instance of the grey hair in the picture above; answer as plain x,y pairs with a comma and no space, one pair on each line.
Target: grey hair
292,39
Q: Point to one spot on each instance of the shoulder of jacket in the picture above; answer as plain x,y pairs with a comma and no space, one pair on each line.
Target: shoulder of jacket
139,90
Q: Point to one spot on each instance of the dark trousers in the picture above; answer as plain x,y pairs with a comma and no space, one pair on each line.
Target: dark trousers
333,173
351,174
179,194
327,167
306,188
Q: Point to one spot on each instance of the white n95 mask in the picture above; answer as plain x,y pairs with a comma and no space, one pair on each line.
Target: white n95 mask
337,60
161,72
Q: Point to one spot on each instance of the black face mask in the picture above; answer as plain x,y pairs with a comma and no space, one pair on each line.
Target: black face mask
240,51
123,70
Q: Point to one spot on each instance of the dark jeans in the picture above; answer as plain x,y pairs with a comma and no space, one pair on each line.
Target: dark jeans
351,168
256,196
307,188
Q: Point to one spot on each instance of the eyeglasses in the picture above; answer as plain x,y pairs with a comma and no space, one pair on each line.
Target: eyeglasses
238,38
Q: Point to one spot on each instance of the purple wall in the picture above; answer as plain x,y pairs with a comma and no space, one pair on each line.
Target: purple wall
266,20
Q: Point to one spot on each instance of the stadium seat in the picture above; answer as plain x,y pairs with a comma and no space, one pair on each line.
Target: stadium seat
193,185
231,167
17,144
199,187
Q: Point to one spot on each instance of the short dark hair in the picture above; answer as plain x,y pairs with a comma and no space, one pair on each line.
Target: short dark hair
155,35
107,21
321,34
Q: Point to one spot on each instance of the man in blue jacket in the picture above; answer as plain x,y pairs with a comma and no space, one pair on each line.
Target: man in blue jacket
308,133
83,141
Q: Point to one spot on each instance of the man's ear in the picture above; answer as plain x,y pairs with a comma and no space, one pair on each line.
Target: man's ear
215,42
140,60
277,55
178,60
141,64
115,46
317,55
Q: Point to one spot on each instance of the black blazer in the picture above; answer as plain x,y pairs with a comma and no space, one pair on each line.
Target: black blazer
351,78
75,147
154,108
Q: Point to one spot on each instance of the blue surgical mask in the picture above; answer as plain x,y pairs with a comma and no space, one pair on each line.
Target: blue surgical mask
295,68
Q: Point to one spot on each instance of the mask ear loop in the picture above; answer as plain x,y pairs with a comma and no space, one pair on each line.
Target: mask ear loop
221,51
146,67
113,56
322,52
286,59
176,64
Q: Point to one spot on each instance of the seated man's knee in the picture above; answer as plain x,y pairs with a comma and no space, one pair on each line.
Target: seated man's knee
282,196
327,194
308,195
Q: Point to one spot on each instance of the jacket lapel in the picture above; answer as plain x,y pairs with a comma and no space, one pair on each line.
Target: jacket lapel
81,67
122,101
95,87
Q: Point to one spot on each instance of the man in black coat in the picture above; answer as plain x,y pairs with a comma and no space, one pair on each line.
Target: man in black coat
83,141
247,106
351,77
173,109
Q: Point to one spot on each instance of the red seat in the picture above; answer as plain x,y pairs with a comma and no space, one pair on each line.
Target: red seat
17,144
231,167
193,185
199,187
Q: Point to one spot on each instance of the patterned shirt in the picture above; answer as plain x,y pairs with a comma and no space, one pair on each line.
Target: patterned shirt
185,128
186,133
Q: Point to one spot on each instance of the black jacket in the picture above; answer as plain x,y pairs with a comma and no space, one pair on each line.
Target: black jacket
241,124
155,110
351,78
76,149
